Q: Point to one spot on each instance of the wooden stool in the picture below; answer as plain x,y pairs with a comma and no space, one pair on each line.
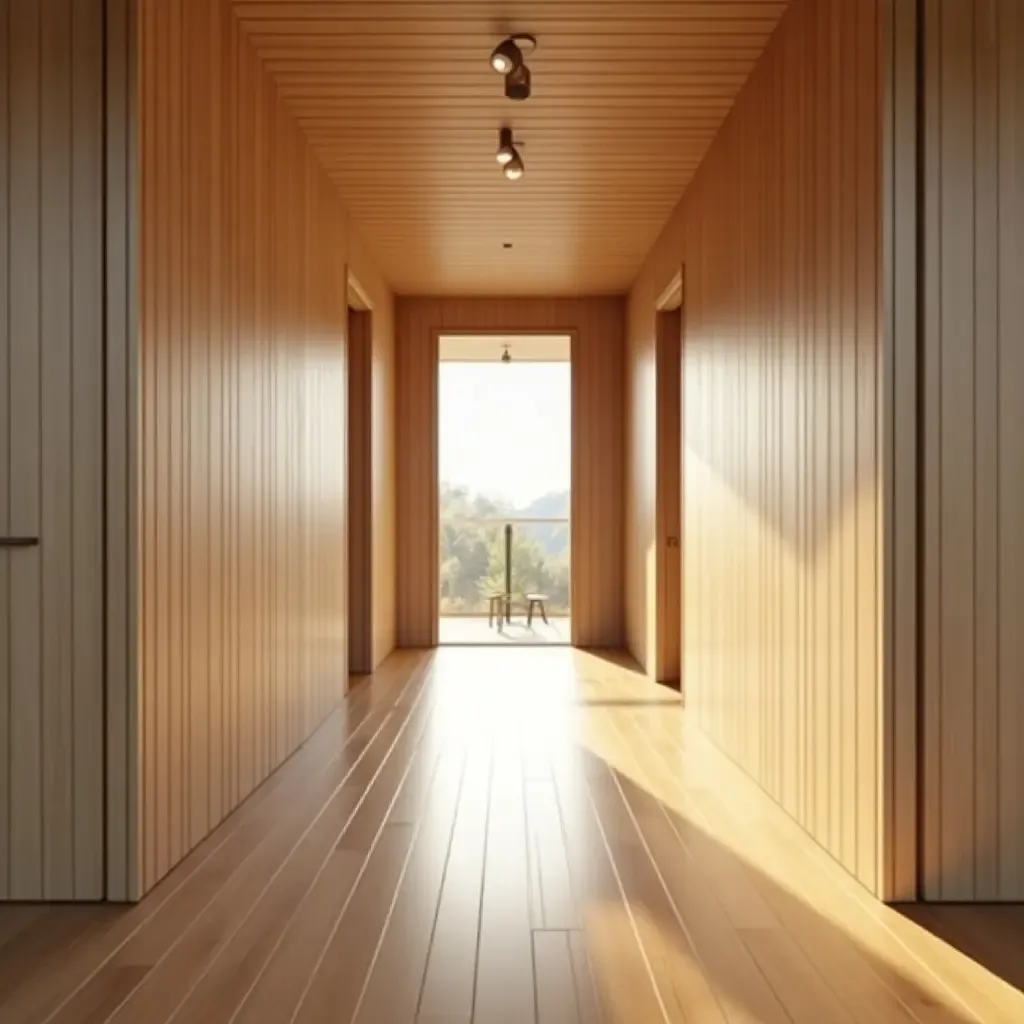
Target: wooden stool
538,600
496,605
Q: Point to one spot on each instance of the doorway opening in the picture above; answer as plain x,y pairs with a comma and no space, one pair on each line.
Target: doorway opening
666,663
504,460
360,600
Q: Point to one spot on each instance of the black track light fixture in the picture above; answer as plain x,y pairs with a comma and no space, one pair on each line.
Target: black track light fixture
507,155
517,83
514,169
508,59
508,54
506,147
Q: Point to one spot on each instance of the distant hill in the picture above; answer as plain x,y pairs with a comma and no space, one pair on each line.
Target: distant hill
553,537
458,501
554,505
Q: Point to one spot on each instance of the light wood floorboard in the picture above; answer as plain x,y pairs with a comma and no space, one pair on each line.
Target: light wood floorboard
495,836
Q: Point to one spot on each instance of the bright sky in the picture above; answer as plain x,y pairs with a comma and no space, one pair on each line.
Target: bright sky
505,428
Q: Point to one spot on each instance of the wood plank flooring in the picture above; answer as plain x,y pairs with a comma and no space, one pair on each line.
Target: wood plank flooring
497,836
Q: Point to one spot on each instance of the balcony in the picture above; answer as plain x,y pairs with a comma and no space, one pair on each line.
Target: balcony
481,557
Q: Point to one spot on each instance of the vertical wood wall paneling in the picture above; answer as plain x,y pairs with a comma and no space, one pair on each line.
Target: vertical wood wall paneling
25,345
51,669
243,429
641,451
122,434
668,435
369,292
598,528
5,350
973,806
653,480
360,489
384,478
898,381
782,595
1010,36
86,461
417,465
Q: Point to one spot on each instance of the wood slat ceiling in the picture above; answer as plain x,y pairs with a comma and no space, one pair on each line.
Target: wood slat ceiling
398,98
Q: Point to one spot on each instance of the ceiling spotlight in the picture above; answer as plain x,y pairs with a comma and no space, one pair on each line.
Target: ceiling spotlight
505,56
508,156
517,83
514,169
508,54
506,147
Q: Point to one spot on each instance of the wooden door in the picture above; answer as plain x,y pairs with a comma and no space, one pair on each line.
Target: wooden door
51,450
668,370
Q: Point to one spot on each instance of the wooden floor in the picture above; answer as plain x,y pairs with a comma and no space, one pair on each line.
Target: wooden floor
506,835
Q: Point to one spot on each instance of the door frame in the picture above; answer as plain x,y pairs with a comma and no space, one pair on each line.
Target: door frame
665,662
435,437
359,598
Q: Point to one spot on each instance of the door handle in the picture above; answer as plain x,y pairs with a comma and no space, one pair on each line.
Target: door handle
19,542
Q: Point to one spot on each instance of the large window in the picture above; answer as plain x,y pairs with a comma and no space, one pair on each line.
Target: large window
505,454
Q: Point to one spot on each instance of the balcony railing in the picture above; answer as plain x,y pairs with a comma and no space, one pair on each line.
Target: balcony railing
517,556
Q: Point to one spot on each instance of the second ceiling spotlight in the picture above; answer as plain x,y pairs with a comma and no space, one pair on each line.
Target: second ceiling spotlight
508,156
508,59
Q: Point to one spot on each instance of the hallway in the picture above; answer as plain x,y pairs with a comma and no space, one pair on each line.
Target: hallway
511,836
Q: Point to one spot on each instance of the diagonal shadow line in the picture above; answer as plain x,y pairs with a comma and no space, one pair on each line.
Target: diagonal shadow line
990,934
820,939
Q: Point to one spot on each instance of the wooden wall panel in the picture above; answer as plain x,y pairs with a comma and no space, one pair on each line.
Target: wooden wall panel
51,440
383,473
653,467
383,479
244,246
779,237
899,451
640,549
973,499
598,527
